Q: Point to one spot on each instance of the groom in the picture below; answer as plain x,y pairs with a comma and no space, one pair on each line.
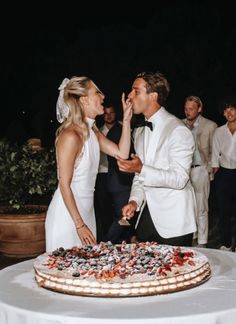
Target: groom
161,189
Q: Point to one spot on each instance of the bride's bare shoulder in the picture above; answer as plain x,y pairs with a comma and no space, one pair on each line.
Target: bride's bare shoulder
70,135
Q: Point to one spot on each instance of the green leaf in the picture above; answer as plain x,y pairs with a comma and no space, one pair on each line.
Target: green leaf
26,173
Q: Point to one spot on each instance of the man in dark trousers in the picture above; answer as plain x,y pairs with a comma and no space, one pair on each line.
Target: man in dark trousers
102,201
118,186
224,167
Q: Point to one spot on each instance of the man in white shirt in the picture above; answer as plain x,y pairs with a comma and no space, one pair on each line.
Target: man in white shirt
201,171
161,188
224,168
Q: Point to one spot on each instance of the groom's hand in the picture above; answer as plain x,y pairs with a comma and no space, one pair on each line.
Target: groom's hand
130,166
128,211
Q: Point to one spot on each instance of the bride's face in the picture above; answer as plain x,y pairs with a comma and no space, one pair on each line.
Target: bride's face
94,101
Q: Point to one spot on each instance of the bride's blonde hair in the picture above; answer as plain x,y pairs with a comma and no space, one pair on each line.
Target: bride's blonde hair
72,112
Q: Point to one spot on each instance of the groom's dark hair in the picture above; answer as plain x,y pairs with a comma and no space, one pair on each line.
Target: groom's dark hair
156,82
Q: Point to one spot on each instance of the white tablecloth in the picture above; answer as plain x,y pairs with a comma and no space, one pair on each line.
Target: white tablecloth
214,302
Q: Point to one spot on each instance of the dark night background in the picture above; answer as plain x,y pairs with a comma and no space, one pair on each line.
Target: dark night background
192,43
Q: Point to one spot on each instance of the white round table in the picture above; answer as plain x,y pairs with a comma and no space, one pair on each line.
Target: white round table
214,302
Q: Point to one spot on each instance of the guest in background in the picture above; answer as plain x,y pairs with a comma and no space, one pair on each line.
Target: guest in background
201,171
112,186
164,147
224,167
118,186
104,211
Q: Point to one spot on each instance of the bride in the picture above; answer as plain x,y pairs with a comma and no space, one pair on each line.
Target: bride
70,219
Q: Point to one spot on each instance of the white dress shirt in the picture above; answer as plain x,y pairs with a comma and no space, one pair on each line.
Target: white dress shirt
103,164
224,148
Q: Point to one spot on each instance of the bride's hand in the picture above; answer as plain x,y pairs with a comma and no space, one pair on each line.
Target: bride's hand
86,236
127,108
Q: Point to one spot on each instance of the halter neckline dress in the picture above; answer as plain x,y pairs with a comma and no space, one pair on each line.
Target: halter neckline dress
60,229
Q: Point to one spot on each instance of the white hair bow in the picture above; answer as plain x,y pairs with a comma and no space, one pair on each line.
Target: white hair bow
62,108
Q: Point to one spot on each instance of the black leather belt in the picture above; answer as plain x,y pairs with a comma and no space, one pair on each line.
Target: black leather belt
195,166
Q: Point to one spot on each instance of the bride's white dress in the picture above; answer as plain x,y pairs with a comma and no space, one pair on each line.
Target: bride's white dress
59,226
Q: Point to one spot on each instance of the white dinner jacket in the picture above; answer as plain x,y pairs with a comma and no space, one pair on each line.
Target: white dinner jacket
164,179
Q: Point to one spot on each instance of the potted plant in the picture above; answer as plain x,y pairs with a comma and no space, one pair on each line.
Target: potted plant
28,180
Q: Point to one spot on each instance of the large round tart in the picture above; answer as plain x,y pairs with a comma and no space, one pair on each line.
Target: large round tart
123,270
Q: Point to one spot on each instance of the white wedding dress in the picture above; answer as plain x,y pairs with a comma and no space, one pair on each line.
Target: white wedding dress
59,226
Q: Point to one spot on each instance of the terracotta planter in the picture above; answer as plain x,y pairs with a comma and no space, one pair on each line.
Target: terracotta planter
22,235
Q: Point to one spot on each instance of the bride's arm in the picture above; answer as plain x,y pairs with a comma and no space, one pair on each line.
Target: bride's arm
122,148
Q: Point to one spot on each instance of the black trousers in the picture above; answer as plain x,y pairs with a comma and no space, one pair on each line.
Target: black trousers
225,190
146,231
118,233
104,211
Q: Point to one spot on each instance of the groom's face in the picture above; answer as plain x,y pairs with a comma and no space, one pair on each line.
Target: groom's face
139,97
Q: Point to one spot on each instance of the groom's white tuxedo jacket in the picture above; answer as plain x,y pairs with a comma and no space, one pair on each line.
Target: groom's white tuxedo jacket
163,182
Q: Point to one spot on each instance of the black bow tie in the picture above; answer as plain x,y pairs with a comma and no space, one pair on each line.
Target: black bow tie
144,123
